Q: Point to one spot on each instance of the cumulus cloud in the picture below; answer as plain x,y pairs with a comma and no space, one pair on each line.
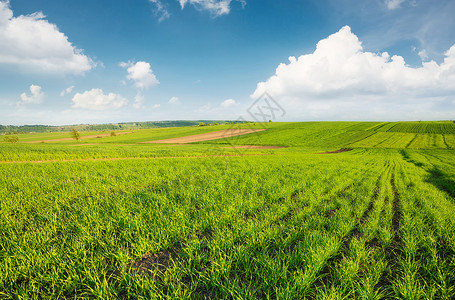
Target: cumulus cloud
393,4
160,10
339,65
141,74
95,99
340,70
33,43
228,103
36,96
67,91
157,106
215,7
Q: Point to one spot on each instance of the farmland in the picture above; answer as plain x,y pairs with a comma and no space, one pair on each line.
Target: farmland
116,217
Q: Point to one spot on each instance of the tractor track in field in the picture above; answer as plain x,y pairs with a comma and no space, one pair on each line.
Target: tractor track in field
444,250
326,275
389,130
445,142
375,128
292,212
337,151
361,139
127,158
327,213
412,141
395,251
392,253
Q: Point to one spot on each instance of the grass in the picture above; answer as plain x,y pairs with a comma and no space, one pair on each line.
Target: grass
375,222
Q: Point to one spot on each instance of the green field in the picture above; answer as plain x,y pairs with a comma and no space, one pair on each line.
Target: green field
119,219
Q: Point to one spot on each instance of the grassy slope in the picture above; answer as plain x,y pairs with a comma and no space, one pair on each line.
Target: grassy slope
330,135
376,222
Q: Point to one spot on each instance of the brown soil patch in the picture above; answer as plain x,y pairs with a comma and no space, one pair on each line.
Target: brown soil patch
70,138
154,261
206,136
161,259
336,151
256,147
330,213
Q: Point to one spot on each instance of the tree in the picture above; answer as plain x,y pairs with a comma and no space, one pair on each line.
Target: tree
75,135
113,133
11,139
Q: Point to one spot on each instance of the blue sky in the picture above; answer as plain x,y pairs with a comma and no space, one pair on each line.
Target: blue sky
70,62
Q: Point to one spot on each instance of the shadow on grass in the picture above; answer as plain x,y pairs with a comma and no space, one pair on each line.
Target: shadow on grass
440,181
435,176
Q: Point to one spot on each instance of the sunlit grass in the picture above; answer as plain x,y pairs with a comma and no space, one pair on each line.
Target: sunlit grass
370,223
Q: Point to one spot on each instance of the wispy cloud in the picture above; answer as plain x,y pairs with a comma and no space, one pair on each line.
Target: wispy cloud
215,7
138,100
67,91
174,101
160,10
393,4
425,24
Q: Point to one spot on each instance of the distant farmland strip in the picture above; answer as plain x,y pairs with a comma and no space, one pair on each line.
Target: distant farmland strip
417,127
206,136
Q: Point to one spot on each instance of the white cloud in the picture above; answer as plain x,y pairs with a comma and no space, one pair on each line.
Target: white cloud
157,106
341,73
228,103
32,43
393,4
174,101
160,10
95,99
423,55
67,91
138,100
36,96
215,7
141,73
